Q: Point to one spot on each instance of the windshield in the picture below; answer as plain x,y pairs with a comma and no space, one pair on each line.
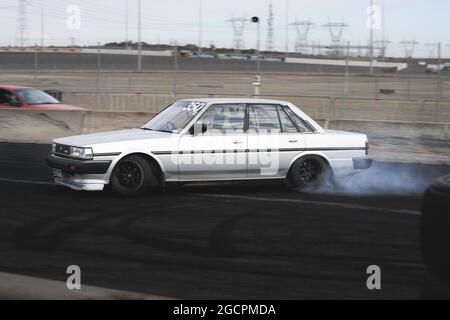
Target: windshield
34,97
175,117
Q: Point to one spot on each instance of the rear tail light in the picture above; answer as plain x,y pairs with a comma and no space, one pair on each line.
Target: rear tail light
367,148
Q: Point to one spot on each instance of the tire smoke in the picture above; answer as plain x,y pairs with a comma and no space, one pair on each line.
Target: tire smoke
385,178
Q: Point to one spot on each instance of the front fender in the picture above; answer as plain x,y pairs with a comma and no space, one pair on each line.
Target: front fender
130,152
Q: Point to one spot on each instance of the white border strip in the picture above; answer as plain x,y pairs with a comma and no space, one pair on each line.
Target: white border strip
311,202
27,181
14,286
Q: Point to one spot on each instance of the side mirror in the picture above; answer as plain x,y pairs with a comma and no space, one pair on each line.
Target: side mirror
198,127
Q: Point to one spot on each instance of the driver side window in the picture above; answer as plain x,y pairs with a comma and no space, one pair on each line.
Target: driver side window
224,118
7,99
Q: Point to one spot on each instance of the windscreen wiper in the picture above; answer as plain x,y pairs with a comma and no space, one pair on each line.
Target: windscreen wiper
168,131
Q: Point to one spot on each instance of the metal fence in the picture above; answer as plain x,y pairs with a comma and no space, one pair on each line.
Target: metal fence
319,107
339,94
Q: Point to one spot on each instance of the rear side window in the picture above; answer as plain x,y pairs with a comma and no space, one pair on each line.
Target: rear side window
263,118
302,124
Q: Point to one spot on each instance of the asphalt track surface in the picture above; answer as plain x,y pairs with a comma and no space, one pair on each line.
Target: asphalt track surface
79,61
256,241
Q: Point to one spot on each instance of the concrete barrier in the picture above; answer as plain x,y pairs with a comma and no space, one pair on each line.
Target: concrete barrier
119,102
405,141
35,126
405,129
165,53
21,125
97,121
351,63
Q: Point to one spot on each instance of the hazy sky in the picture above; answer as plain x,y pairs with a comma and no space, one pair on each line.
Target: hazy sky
426,21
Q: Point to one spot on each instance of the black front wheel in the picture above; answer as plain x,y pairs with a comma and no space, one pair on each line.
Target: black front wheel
132,176
309,172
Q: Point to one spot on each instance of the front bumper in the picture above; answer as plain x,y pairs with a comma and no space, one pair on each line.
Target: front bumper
74,166
80,184
362,163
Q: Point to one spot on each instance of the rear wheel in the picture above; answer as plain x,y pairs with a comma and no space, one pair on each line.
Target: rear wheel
309,173
132,176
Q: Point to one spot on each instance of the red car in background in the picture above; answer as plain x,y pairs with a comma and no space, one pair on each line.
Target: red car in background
30,98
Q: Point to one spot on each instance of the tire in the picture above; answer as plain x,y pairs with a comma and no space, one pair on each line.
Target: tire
435,229
309,173
132,176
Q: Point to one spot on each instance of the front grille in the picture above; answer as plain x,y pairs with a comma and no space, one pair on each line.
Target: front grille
62,150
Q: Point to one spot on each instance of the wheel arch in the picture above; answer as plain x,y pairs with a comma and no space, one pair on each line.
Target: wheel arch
303,155
151,160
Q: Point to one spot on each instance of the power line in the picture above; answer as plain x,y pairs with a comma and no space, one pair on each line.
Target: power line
270,32
126,23
383,29
200,25
286,30
42,22
371,37
238,25
59,13
409,46
382,46
335,29
302,28
139,35
8,7
22,23
431,49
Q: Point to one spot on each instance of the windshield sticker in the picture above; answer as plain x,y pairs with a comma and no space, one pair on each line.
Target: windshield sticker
194,107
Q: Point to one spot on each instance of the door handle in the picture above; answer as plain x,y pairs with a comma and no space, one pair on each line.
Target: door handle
238,142
293,141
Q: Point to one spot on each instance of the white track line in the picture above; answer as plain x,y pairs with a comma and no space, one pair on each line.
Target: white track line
27,181
14,286
310,202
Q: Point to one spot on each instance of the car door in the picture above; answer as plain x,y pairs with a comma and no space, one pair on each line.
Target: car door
274,140
220,152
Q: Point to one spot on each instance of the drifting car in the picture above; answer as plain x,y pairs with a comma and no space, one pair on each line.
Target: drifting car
30,98
210,140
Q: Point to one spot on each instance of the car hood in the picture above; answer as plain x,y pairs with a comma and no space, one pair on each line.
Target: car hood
128,135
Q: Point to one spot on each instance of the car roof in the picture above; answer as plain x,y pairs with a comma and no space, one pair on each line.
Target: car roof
237,100
8,87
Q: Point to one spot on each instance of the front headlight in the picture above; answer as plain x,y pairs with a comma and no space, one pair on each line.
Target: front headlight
83,153
53,148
